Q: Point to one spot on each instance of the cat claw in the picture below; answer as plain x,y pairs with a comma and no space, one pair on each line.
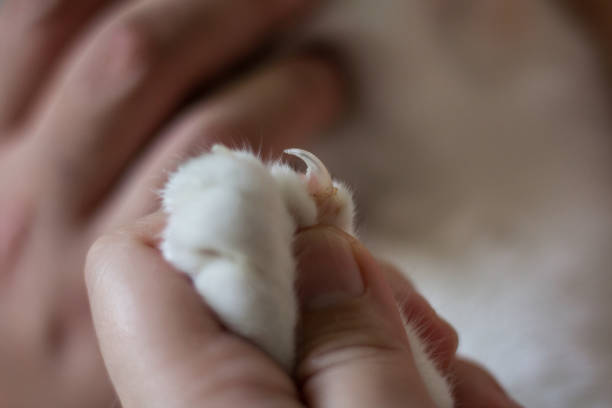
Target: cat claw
333,200
318,178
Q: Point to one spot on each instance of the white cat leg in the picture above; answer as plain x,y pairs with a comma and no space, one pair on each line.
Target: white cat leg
229,229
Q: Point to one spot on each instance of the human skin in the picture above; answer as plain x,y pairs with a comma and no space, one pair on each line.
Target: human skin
164,347
89,128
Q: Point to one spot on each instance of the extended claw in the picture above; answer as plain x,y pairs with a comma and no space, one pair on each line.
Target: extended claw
318,178
333,200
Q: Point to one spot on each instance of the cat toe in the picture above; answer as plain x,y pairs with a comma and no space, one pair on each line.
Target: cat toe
334,200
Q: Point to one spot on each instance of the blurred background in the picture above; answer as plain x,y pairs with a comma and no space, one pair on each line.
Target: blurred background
481,156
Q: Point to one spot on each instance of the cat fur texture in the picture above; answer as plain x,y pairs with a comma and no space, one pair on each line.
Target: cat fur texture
231,222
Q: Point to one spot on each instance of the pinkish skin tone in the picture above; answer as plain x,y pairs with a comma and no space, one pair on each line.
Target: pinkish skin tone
13,231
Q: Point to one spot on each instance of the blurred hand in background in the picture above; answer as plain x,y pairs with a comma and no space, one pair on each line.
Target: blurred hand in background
90,122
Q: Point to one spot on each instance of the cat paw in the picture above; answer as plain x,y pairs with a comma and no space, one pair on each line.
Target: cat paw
229,230
230,226
333,201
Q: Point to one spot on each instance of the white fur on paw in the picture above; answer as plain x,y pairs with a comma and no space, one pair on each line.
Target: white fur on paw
231,221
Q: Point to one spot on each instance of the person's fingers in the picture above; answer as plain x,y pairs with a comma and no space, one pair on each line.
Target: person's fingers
441,337
280,106
476,388
352,349
131,74
33,35
161,344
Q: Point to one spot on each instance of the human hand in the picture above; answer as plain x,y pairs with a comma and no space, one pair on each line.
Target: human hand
163,346
88,128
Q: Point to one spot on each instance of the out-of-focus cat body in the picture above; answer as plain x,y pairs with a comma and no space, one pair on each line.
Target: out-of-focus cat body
480,151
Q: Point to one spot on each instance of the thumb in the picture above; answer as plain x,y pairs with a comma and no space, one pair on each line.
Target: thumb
353,349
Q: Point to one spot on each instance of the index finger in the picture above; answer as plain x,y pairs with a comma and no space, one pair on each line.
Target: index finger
160,342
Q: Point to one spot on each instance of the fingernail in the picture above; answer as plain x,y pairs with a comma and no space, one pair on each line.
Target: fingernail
327,270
